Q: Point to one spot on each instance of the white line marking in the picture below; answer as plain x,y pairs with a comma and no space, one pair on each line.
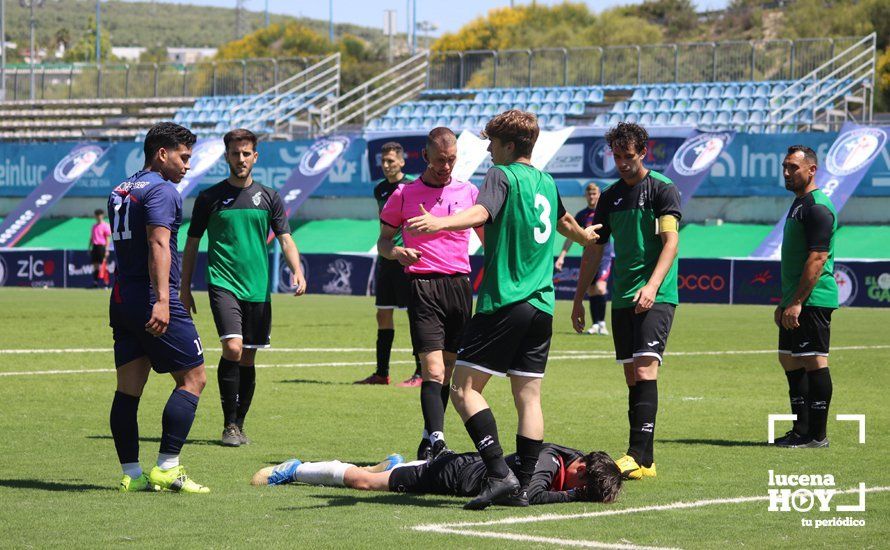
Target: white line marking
463,528
582,353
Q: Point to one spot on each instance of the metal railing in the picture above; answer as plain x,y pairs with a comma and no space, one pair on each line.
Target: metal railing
122,80
812,99
734,61
401,82
291,99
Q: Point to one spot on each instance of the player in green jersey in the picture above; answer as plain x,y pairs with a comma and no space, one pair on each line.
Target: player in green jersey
237,214
510,333
809,295
641,213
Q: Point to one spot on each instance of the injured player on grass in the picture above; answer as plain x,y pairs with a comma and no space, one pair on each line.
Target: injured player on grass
562,474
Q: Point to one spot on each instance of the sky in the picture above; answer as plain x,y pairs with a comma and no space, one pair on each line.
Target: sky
448,15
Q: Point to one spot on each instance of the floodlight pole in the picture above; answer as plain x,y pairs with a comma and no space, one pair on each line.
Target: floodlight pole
2,50
33,23
331,22
414,28
267,13
98,33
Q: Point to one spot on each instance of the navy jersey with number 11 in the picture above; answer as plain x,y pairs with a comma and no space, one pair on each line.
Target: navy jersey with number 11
143,199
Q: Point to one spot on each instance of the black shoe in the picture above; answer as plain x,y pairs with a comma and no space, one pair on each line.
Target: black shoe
518,498
440,449
791,439
493,489
424,450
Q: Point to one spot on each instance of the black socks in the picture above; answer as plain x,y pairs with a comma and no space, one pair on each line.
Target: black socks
597,308
246,387
124,427
483,430
432,407
384,349
644,408
797,394
527,451
819,399
227,375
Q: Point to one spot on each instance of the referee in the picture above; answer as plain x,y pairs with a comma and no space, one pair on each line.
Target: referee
237,214
391,286
809,295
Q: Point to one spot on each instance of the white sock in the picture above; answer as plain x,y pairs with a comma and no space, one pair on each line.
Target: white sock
132,469
322,473
166,461
436,436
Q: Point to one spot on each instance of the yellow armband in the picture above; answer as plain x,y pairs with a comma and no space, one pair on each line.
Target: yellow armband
667,224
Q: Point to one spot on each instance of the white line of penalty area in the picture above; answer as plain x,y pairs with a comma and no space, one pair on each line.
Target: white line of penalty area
408,350
468,529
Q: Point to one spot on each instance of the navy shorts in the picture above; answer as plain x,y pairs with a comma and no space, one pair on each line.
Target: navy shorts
177,349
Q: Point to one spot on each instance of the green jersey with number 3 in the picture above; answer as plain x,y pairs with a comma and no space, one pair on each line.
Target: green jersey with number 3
519,243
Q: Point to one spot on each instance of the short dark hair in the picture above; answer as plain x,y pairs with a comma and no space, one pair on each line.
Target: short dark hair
517,127
98,212
602,478
390,146
440,134
626,134
239,134
167,135
808,153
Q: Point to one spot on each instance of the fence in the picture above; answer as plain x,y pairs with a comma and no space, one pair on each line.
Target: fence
79,81
637,64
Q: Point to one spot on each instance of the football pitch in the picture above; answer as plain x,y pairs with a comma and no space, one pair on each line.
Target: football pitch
720,381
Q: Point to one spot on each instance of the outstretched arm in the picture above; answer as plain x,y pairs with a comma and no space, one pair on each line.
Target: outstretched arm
473,216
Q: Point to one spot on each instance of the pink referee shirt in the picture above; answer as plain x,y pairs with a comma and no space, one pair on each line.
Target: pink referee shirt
100,233
444,252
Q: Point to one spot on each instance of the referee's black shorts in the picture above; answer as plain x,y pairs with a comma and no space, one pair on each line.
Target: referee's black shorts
439,307
812,337
514,340
234,318
391,286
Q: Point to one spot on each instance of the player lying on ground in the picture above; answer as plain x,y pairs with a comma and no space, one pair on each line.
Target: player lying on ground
562,474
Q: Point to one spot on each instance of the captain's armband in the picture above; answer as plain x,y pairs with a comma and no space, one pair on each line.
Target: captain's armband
667,224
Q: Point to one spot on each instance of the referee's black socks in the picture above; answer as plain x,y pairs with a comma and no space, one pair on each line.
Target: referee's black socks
643,411
384,349
483,430
797,394
227,375
819,399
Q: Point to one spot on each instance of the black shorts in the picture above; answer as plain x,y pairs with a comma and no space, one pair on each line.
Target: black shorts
450,474
391,285
514,340
811,337
234,318
644,334
97,253
439,308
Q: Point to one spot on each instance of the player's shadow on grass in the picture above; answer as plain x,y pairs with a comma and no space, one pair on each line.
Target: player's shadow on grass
315,382
401,499
190,441
41,485
717,442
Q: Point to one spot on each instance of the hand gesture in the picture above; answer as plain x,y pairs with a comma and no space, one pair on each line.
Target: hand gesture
425,223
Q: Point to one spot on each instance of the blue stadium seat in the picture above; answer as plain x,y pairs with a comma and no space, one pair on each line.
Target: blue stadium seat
428,122
546,108
441,121
728,104
646,119
634,107
506,97
178,117
706,118
619,107
601,119
676,119
776,89
455,122
696,105
715,92
760,103
595,95
740,118
668,92
537,96
722,118
747,91
756,117
650,106
681,106
665,106
557,121
481,97
564,96
576,109
544,121
579,95
762,90
654,93
392,111
684,92
521,97
712,105
639,93
743,104
701,92
561,108
400,124
690,119
662,119
730,91
552,96
615,119
490,110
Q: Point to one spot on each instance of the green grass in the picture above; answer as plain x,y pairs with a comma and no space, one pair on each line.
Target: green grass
59,469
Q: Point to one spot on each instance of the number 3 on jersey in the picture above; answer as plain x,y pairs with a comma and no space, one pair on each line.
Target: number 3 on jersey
121,220
542,236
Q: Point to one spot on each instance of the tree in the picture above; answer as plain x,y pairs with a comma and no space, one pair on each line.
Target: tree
84,50
155,54
676,17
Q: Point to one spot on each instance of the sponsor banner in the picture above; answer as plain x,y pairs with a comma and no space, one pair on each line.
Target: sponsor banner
704,281
840,172
53,187
206,153
756,282
313,167
79,269
342,274
693,160
35,268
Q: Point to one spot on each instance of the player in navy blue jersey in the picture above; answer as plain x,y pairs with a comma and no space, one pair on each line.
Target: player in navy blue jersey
150,326
597,291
